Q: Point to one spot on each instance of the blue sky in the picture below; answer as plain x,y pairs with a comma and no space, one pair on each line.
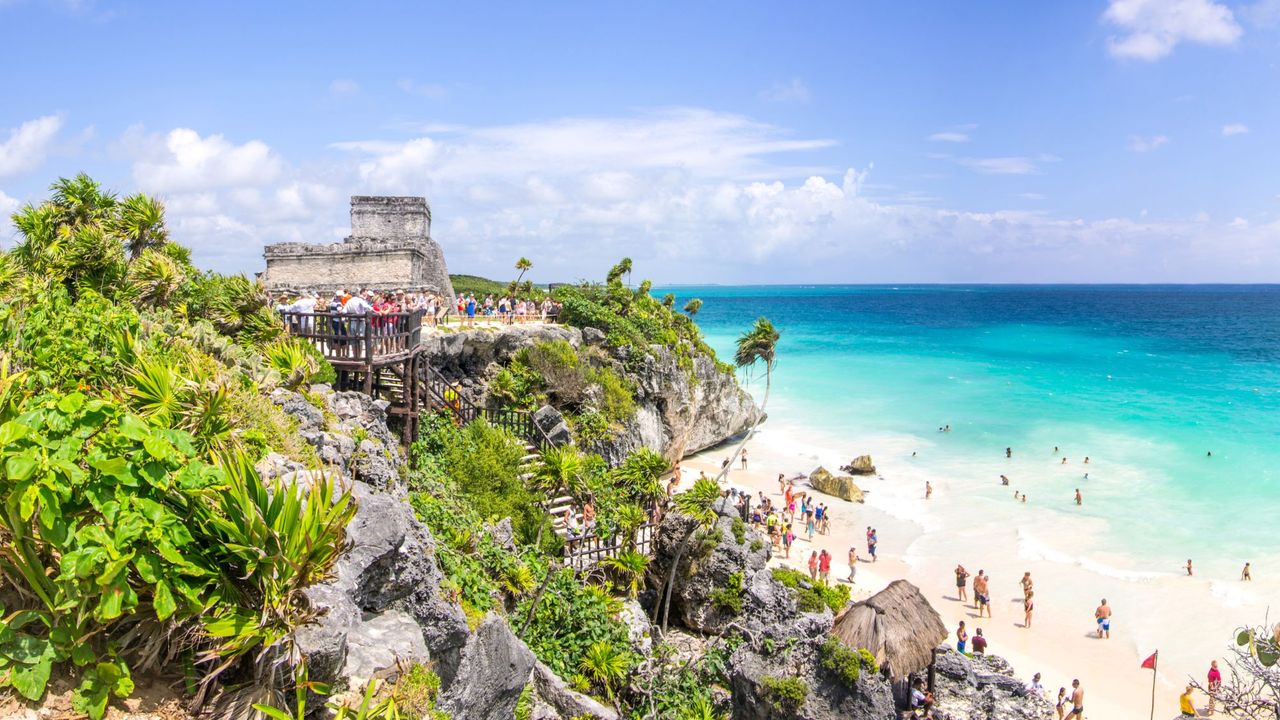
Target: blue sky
1116,140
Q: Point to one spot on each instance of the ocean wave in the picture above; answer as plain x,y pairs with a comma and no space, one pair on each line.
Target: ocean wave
1031,548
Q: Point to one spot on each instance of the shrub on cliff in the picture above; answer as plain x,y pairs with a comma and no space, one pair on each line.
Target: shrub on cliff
631,318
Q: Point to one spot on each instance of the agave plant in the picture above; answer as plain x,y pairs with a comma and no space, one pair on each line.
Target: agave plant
293,360
155,278
606,665
628,567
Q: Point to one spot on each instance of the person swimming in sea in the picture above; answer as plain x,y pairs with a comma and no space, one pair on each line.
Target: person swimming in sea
1024,497
1008,452
1086,459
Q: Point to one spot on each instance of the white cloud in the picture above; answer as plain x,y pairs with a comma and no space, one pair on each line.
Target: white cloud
1031,196
1234,129
1152,28
28,145
1014,165
1239,223
949,136
793,90
343,87
8,205
685,192
435,91
183,161
1141,144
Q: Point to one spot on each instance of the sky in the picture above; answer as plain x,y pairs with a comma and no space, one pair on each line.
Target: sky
711,142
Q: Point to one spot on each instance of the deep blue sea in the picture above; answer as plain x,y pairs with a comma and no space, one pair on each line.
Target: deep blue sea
1144,380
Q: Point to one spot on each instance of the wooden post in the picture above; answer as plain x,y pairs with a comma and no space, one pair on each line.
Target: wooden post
933,659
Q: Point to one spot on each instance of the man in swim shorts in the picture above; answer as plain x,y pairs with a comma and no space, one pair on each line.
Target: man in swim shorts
1103,616
1077,701
982,593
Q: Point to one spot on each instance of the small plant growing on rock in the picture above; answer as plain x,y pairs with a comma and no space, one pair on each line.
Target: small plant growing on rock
785,694
729,598
739,531
845,662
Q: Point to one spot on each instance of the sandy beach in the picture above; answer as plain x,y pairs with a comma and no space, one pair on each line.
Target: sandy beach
1190,620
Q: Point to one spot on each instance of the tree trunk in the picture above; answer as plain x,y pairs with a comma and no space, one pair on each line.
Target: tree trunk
665,609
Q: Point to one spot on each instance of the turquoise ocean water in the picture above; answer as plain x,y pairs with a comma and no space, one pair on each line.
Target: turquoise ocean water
1145,380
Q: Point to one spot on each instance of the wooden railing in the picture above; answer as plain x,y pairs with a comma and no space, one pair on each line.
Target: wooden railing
357,338
441,395
585,551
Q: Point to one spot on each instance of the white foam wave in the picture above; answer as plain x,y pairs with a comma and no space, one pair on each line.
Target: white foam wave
1031,548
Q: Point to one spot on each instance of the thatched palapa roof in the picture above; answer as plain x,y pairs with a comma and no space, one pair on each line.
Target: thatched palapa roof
898,626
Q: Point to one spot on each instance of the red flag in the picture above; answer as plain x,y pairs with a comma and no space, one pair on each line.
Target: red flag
1150,663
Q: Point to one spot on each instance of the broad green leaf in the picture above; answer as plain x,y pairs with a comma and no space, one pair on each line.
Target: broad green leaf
30,680
71,403
163,601
21,467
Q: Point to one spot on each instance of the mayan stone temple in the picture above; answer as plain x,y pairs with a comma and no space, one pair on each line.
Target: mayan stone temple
390,248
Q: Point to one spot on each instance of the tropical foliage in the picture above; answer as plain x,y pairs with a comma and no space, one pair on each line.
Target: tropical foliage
136,532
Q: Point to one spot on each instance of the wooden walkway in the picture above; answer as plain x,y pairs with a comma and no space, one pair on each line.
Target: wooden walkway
382,356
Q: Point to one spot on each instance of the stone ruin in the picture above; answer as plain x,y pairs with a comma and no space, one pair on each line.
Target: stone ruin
390,248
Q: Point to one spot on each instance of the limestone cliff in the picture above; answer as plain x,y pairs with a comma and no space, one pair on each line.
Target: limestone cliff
678,410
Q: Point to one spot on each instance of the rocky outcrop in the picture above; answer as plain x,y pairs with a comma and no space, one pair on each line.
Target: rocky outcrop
555,700
349,432
818,693
983,688
494,670
841,486
861,465
679,410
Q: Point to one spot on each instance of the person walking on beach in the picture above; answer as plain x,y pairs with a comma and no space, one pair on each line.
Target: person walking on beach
1060,706
1079,497
982,593
788,537
1189,573
824,566
1028,607
782,483
872,541
962,577
853,564
1103,616
1026,582
1077,701
813,565
928,489
809,524
1215,682
962,637
1245,576
744,458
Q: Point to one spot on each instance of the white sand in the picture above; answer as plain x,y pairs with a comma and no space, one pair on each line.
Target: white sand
1190,620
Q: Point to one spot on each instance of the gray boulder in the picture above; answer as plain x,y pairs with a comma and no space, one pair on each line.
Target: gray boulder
553,426
564,701
493,671
826,697
382,641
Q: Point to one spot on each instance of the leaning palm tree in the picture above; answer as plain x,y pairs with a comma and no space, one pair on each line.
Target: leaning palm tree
617,271
693,306
698,503
759,344
523,265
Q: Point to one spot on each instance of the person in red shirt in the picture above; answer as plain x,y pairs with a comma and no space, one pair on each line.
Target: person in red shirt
1215,682
979,642
824,566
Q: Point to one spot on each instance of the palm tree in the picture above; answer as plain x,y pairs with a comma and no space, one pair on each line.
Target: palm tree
141,224
81,200
757,344
760,343
641,474
617,271
561,471
628,566
523,265
698,503
693,306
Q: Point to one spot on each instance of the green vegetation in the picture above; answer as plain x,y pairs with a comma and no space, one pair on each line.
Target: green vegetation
132,410
481,287
582,383
785,694
729,598
845,662
813,596
631,318
739,531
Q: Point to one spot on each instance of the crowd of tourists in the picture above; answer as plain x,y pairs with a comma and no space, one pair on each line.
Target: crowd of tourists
435,308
